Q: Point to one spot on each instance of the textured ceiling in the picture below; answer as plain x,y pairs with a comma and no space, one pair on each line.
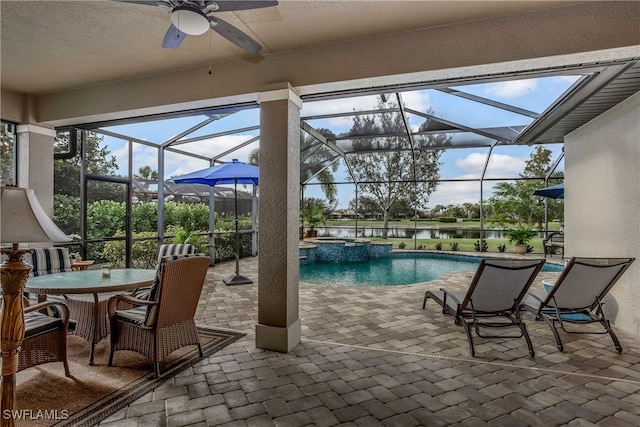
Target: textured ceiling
85,43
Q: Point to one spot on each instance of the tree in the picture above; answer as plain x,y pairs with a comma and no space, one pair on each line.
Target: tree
514,203
386,168
314,152
367,206
311,152
7,150
66,185
98,162
145,172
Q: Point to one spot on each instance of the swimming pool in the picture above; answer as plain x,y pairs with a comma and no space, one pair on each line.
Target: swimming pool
396,269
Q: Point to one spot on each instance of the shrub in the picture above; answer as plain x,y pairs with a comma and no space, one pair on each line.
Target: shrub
481,245
438,246
520,236
454,246
502,248
402,245
144,253
446,219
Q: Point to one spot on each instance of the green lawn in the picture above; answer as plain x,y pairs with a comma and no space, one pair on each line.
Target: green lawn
464,245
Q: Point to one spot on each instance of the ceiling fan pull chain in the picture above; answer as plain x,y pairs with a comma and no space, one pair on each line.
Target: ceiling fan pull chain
210,53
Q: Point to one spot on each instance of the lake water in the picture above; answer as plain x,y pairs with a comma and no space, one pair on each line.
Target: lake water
408,233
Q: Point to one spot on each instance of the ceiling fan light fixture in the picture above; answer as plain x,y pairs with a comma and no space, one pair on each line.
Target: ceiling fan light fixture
190,20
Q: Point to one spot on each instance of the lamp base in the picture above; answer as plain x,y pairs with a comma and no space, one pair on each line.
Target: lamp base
237,280
13,276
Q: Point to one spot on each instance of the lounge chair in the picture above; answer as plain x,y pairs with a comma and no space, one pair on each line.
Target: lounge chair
495,292
576,296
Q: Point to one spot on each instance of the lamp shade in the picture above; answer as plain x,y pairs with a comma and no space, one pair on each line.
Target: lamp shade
22,219
190,20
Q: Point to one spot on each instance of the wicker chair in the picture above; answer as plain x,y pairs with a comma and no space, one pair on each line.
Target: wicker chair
45,338
175,249
165,322
163,251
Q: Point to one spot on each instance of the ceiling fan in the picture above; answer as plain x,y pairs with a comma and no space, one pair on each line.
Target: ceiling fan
194,17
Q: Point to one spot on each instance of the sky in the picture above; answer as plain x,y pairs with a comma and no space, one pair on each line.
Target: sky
457,164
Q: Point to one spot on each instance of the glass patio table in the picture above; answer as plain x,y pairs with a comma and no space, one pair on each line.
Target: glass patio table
87,293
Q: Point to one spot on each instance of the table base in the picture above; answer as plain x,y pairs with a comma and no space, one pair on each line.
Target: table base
90,313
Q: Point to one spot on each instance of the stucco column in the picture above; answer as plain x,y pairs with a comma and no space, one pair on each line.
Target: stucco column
35,162
278,325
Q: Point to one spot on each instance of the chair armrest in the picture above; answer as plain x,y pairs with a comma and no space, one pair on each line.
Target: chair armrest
449,295
554,236
113,301
535,295
64,310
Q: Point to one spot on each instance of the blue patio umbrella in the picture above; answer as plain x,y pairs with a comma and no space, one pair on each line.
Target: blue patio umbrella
553,192
235,173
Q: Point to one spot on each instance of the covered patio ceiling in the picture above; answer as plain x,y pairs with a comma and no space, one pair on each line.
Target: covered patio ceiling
94,50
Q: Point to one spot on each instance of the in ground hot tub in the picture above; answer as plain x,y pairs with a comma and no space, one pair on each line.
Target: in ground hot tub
331,249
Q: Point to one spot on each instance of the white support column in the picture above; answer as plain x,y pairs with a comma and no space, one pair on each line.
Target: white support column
35,162
278,325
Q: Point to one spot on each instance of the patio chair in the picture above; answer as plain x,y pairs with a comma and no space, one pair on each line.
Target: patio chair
493,298
165,322
45,337
577,295
163,251
50,260
175,249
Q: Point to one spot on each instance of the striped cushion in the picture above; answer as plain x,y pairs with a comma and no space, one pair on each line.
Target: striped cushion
165,250
154,292
133,315
175,249
49,261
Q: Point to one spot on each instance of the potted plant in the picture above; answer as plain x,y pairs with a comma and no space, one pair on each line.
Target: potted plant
521,237
313,216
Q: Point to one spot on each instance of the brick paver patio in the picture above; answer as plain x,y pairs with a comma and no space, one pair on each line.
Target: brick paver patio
372,356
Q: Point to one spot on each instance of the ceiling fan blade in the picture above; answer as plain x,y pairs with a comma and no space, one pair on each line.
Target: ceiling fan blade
228,5
173,38
165,3
234,35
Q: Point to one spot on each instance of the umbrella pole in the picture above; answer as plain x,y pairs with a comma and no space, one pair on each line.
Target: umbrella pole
237,279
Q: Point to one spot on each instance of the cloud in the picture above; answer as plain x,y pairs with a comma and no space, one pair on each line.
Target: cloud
472,165
512,89
500,166
455,193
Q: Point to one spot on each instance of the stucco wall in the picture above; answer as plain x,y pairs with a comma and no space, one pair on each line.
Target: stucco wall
602,201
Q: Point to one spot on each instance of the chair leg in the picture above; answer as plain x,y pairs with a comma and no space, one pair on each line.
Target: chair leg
200,350
67,372
556,335
616,342
112,342
523,328
467,329
424,301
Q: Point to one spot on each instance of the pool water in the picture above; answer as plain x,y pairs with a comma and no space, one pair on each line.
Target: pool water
398,269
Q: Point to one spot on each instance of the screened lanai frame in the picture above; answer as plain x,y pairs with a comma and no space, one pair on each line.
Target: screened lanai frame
546,126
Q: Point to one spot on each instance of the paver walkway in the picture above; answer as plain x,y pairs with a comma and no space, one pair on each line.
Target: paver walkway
371,356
